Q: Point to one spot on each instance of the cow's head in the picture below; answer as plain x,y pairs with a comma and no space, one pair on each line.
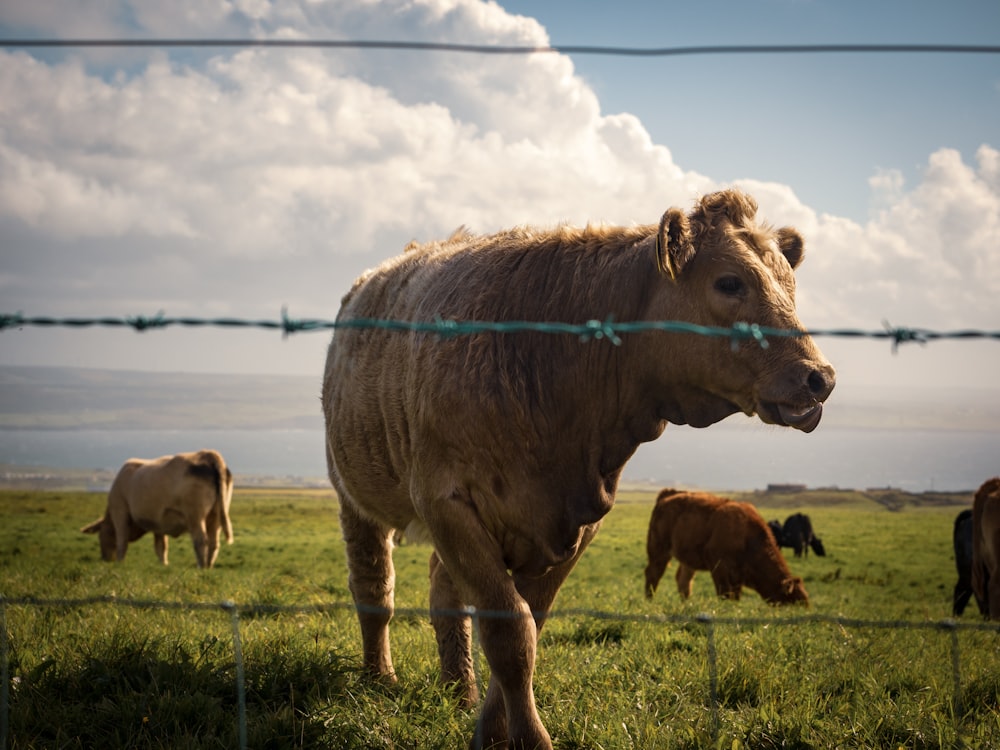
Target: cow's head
720,267
793,591
106,536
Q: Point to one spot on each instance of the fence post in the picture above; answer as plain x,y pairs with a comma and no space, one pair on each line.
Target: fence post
713,675
956,671
234,614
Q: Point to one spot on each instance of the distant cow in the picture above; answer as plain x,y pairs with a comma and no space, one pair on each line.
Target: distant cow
797,533
508,447
168,496
777,532
986,547
962,540
727,538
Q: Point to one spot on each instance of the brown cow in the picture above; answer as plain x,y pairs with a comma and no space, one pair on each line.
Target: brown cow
730,539
507,448
168,496
986,547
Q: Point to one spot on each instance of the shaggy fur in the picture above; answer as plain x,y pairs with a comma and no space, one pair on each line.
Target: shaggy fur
507,448
729,539
170,495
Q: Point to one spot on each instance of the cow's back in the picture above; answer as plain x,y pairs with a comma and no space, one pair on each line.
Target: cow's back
691,526
165,493
702,529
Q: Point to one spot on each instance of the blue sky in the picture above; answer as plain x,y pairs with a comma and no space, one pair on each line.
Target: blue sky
824,123
232,183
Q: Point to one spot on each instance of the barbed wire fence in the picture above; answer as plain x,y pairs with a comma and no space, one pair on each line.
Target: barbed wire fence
590,330
607,329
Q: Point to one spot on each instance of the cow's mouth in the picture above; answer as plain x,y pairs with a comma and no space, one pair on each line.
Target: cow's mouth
804,418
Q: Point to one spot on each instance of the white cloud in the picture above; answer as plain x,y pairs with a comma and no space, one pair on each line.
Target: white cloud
929,255
229,160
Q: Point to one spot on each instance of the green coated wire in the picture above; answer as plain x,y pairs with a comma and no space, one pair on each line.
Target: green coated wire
591,329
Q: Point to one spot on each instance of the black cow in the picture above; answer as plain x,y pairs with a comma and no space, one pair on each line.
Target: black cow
776,532
962,539
797,533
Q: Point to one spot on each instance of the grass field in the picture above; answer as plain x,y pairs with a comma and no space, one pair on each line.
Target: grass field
611,672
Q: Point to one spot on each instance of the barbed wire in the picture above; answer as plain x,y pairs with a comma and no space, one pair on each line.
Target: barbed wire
607,329
495,49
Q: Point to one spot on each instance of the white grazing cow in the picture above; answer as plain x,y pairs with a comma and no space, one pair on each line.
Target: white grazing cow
168,496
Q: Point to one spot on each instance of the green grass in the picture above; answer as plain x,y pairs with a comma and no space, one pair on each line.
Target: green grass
107,675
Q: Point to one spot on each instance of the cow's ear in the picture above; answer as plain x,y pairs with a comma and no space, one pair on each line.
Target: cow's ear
792,246
674,245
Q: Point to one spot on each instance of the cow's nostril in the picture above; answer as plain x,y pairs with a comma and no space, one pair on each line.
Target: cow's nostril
818,383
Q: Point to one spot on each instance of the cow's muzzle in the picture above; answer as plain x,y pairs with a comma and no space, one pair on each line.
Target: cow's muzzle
805,419
804,411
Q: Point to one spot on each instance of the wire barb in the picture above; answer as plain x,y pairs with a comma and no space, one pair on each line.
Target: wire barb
904,335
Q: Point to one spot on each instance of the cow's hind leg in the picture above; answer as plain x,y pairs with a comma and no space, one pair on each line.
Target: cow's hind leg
454,634
371,578
199,537
992,595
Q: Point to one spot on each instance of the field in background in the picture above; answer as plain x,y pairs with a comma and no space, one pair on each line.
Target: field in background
106,675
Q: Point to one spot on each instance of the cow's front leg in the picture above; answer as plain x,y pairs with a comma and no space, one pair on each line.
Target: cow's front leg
659,559
727,583
539,592
509,639
160,544
507,631
371,578
684,576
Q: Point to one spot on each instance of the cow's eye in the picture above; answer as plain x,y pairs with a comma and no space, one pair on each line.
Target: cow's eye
729,285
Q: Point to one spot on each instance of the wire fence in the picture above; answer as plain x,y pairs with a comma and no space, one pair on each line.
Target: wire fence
607,329
709,625
501,49
588,330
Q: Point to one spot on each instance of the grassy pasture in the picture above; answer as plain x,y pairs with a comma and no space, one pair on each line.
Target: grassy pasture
106,675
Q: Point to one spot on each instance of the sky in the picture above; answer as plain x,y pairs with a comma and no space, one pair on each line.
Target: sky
237,182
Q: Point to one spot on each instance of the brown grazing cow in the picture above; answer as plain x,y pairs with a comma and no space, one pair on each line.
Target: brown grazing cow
727,538
986,547
168,496
507,448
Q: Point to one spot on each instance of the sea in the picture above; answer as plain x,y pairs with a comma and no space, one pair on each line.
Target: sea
741,456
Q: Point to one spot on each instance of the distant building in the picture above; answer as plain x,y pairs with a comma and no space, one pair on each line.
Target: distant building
786,488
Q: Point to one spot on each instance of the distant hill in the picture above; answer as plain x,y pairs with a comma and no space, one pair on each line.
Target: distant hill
75,398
